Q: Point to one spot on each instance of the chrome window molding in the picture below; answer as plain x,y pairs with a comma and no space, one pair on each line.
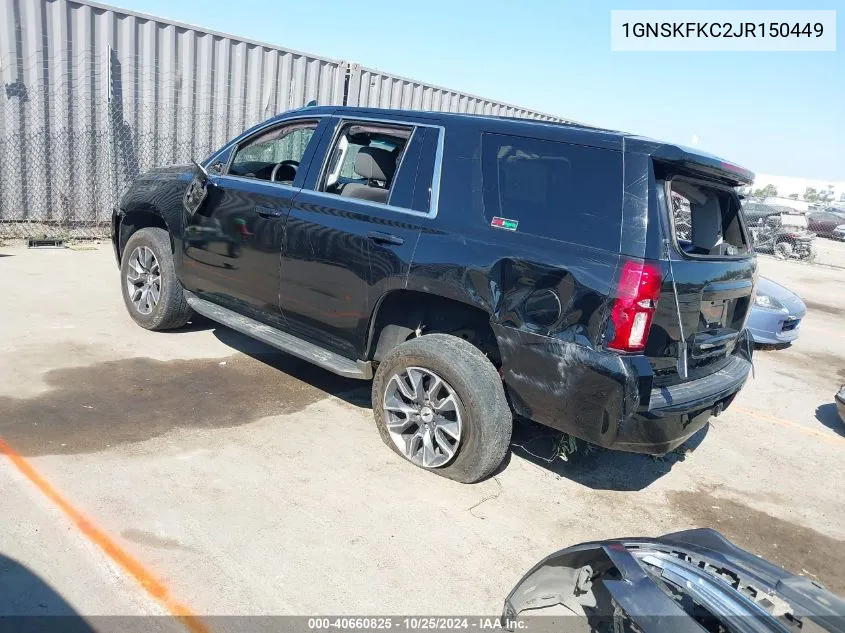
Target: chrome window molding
434,202
368,203
218,177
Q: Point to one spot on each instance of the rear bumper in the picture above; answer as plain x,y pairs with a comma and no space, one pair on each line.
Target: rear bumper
607,398
676,413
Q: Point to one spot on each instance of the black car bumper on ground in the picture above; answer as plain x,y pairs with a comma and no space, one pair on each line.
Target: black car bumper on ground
695,580
609,399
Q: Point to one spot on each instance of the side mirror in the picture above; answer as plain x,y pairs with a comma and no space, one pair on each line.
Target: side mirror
197,190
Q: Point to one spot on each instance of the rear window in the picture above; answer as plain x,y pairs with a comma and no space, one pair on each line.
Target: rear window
566,192
706,219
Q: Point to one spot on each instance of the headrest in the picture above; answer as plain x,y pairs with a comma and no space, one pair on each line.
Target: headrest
706,224
373,163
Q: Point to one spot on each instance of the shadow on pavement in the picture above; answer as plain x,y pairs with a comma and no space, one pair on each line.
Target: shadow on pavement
198,323
596,467
28,603
356,392
829,416
599,469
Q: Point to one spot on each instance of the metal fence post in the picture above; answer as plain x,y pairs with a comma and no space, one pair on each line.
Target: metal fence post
353,84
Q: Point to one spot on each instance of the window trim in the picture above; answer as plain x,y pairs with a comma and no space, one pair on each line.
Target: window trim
673,237
434,202
437,170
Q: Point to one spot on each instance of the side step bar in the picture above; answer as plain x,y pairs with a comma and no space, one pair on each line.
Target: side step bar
335,363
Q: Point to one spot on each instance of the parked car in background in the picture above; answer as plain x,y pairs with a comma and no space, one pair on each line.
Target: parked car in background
776,314
454,259
797,206
753,211
785,235
827,223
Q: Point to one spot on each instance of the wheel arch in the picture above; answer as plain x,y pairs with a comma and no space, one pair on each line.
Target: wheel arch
132,221
404,314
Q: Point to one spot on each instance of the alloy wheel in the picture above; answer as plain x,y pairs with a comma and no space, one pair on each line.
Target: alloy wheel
143,279
422,417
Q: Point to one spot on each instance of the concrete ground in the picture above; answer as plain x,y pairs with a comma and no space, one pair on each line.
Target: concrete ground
830,252
247,482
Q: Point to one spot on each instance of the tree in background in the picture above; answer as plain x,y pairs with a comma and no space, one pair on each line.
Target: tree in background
826,195
810,194
769,191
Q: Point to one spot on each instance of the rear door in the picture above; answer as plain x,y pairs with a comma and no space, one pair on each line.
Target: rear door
351,232
714,270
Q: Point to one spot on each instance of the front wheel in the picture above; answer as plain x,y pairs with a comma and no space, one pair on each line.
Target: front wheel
439,403
152,293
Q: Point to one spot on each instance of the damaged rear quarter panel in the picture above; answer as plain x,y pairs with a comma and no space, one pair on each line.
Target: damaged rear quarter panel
548,308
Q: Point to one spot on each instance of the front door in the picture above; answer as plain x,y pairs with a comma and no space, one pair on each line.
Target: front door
231,245
352,230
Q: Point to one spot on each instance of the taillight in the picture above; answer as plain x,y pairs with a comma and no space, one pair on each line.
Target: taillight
636,300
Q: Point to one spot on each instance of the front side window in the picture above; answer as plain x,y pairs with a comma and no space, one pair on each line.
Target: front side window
364,162
274,155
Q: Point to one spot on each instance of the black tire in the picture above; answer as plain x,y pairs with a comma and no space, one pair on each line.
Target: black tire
487,420
783,250
171,311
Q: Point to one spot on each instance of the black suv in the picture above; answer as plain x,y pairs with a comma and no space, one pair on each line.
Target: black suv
475,267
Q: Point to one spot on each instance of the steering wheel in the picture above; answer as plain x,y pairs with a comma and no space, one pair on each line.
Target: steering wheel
284,163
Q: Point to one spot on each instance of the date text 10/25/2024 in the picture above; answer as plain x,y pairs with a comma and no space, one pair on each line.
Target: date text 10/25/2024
416,623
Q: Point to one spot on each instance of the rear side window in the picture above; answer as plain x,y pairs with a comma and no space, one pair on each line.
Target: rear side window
706,219
567,192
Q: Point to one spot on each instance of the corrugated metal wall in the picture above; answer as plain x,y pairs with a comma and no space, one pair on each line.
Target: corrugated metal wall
373,88
94,95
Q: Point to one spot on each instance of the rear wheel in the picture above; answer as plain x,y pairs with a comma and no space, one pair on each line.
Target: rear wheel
783,250
151,291
439,403
811,253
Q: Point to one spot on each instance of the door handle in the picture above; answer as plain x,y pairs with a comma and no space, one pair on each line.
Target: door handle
269,212
385,238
